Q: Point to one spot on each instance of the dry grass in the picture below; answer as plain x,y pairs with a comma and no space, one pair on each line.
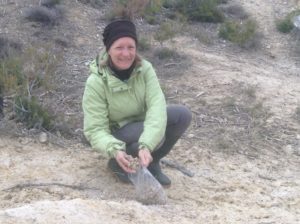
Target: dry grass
238,123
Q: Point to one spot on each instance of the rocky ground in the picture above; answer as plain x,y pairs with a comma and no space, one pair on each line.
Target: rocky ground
243,145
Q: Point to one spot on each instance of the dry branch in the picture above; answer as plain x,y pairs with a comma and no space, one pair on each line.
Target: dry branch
36,185
175,165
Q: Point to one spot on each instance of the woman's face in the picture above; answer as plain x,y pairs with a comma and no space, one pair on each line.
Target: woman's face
122,52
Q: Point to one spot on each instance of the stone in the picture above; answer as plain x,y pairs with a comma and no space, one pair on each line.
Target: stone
43,138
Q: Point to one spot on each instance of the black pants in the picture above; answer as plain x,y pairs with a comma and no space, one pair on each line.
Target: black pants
178,120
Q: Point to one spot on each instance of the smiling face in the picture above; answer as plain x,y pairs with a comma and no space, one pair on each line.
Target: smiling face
122,52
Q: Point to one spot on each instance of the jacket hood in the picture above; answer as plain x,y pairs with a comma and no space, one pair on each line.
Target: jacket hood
97,64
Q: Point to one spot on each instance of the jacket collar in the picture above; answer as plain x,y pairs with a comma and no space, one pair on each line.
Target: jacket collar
102,64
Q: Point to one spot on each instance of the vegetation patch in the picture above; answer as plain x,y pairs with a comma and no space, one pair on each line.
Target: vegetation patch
8,47
134,8
297,113
197,10
239,32
285,25
50,3
29,111
166,53
144,44
166,31
44,15
23,77
93,3
234,11
239,124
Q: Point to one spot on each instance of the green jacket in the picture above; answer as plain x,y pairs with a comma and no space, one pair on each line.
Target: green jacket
109,103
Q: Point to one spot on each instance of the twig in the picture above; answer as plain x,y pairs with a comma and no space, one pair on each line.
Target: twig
175,165
171,64
32,185
196,112
266,178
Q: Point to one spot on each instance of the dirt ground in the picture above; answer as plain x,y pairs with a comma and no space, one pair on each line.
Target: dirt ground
243,145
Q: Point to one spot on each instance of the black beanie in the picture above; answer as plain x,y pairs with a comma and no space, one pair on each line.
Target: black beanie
118,29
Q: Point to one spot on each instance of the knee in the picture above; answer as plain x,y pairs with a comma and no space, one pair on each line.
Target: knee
183,114
186,115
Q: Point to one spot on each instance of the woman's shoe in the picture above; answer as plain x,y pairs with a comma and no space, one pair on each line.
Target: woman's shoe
155,170
118,171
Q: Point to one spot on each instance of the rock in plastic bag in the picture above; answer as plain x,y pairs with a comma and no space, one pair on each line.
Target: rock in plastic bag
148,190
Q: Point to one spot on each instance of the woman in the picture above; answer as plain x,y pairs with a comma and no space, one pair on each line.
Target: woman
125,113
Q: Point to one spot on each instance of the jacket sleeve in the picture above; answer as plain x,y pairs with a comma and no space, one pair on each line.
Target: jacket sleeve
96,122
156,112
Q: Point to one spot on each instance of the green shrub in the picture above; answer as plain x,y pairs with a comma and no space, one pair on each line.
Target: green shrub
297,113
169,4
8,47
134,8
166,53
285,25
50,3
23,76
238,32
167,30
230,102
143,44
199,10
151,19
11,76
250,92
29,111
203,36
234,11
44,15
153,7
93,3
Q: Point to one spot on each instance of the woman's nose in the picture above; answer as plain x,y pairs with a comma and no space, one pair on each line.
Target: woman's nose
126,52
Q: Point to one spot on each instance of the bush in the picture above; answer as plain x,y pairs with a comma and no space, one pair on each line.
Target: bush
7,47
44,15
11,76
50,3
166,53
234,11
199,10
29,111
238,32
297,113
22,76
93,3
135,8
166,31
143,44
286,25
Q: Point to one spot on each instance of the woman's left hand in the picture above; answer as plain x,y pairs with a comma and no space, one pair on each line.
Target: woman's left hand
145,157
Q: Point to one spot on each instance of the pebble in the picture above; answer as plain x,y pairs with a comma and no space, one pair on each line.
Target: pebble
43,138
191,136
289,149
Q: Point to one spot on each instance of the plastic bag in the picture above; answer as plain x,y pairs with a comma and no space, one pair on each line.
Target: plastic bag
148,189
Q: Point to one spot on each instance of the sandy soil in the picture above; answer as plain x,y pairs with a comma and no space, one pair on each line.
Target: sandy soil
256,182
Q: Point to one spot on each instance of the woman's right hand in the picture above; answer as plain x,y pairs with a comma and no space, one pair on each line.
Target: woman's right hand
123,159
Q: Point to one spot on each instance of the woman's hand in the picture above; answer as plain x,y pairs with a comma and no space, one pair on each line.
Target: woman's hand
145,157
123,159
